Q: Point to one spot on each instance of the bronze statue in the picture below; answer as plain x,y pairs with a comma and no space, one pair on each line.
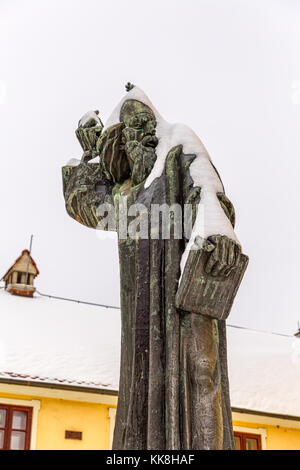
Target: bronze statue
179,276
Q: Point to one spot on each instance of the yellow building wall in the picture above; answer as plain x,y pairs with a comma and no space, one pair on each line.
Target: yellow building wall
57,415
278,437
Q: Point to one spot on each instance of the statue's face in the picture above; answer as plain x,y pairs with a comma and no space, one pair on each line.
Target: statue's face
140,123
139,138
141,127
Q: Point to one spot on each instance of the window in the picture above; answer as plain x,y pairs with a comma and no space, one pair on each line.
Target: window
246,441
15,427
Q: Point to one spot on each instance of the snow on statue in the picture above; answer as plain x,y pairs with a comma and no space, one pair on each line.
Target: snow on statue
180,265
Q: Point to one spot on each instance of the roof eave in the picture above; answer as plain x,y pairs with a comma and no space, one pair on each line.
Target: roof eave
264,413
77,388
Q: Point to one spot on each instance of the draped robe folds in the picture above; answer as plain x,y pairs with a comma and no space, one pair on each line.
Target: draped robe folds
173,391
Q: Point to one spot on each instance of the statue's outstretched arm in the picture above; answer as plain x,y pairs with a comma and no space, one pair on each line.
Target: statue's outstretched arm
85,189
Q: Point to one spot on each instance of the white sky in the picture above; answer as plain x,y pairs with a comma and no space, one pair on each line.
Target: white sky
229,69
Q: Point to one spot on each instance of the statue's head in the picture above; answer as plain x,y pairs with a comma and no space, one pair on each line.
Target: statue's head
128,147
139,138
140,123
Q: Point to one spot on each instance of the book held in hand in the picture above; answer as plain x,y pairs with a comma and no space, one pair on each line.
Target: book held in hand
205,294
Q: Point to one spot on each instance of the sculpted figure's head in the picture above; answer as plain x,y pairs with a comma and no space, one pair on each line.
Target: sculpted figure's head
139,138
127,149
140,123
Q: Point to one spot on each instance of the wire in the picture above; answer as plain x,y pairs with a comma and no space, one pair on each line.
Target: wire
259,331
118,308
77,301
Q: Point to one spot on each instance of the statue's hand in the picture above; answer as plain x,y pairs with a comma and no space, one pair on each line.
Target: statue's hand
88,132
224,257
110,147
133,149
141,160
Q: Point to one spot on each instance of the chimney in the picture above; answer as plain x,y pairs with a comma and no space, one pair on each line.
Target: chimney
19,279
297,334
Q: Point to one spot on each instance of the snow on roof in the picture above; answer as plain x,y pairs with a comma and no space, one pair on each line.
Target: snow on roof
55,341
264,371
58,341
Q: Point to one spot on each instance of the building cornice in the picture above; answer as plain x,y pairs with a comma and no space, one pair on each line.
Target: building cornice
53,390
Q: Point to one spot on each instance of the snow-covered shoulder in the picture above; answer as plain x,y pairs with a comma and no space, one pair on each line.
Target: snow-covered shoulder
73,162
76,161
211,219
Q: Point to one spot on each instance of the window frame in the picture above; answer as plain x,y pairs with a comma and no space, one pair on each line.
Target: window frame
35,405
8,429
245,435
252,433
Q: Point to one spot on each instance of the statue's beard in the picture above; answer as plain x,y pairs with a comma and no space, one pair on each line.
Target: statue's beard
141,157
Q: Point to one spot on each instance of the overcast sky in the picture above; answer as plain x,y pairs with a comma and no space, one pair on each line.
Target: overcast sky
229,69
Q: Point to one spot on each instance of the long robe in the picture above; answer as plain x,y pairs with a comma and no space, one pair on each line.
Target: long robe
173,391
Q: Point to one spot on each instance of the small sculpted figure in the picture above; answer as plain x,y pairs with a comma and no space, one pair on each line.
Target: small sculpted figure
180,267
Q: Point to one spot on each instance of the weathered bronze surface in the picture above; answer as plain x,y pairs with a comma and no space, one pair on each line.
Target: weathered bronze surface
173,391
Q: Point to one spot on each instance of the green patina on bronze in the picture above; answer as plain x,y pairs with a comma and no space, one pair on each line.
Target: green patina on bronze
173,390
